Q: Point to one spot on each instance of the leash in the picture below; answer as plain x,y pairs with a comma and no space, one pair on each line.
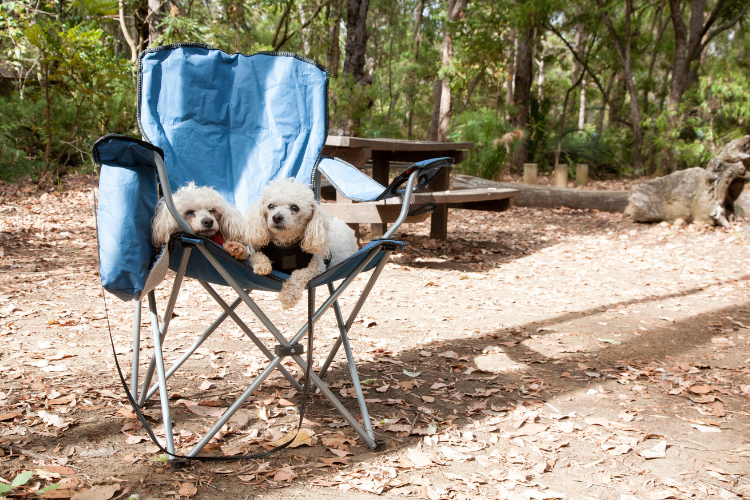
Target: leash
178,459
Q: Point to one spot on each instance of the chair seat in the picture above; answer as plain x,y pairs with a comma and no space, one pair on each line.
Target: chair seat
200,268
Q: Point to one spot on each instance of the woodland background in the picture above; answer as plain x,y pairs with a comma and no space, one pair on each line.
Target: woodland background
631,87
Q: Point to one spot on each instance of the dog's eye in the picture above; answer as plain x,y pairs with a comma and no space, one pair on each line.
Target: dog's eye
294,208
212,210
271,206
189,213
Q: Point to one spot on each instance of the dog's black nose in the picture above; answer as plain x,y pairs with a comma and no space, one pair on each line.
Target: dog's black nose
277,218
207,222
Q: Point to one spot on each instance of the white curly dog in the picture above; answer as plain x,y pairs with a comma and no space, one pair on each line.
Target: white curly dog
287,228
208,214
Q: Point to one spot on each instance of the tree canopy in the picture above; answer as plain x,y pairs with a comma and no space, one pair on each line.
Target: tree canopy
631,87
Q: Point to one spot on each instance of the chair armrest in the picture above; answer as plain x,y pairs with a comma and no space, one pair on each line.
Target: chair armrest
350,181
122,151
355,185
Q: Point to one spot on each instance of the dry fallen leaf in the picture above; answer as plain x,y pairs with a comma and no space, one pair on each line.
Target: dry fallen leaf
659,450
419,459
304,438
187,490
101,492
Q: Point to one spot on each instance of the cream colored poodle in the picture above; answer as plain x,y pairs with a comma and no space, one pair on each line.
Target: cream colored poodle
208,214
292,234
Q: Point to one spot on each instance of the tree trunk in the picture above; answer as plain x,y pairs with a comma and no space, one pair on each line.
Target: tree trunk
535,196
522,92
417,30
582,107
126,34
332,57
704,195
511,68
624,54
455,10
691,40
356,40
436,110
155,15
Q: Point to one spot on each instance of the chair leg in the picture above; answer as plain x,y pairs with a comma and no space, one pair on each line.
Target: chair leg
369,441
158,357
353,315
260,345
357,386
167,318
198,342
136,349
236,406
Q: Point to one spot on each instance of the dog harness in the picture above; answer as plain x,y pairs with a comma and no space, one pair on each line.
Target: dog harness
287,259
218,239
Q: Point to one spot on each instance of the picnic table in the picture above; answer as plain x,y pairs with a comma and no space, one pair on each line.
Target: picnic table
381,152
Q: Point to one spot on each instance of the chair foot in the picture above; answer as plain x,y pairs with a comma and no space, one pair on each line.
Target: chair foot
379,445
178,463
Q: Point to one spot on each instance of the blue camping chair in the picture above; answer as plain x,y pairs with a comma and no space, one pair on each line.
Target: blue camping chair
235,123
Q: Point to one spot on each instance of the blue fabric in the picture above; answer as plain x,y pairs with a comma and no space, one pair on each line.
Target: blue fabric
127,200
350,181
355,185
200,268
233,122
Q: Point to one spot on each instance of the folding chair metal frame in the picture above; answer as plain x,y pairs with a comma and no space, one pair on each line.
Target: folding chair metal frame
416,177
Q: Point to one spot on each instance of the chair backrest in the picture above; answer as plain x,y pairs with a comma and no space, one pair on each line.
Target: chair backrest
232,122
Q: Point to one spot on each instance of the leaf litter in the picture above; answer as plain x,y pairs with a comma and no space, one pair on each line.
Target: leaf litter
564,341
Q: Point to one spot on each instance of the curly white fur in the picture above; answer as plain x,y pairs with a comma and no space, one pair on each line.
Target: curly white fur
286,215
207,213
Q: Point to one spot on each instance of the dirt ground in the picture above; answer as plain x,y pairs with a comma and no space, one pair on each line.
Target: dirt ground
536,354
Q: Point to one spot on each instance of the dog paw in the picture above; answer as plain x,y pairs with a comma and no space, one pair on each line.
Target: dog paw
236,250
261,264
289,296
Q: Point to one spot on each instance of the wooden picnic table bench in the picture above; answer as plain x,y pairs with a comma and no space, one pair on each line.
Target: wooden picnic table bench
381,152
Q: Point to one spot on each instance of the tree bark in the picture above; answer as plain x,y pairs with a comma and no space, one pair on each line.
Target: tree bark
511,68
332,57
522,92
126,34
436,110
692,39
550,197
155,15
624,54
356,40
704,195
455,10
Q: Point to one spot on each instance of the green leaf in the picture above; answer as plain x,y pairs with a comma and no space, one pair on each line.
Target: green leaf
22,479
162,458
5,488
369,381
47,488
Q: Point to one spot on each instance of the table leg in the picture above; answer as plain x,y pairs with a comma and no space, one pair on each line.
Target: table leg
439,218
381,169
355,227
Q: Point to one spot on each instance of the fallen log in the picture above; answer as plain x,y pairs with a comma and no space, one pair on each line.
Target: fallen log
695,194
550,197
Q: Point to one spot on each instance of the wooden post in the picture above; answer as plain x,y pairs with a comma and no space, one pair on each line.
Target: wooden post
561,175
381,167
530,171
439,217
582,174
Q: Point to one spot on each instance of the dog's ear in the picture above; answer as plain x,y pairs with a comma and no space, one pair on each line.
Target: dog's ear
232,224
315,240
163,225
256,230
